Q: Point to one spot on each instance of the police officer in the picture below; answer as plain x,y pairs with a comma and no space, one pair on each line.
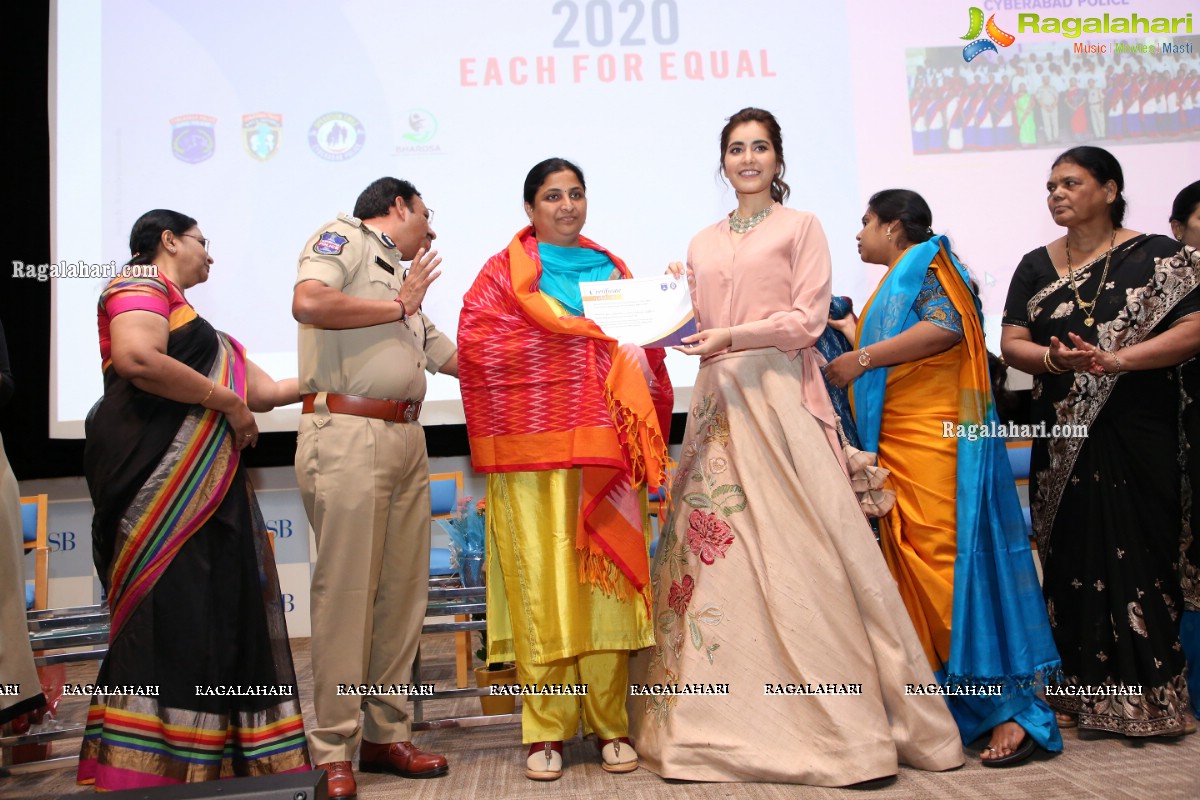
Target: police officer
363,472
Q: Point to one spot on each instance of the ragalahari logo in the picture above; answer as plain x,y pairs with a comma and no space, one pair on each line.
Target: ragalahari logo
995,36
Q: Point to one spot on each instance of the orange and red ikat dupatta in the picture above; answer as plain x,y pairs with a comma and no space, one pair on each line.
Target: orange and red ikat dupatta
544,391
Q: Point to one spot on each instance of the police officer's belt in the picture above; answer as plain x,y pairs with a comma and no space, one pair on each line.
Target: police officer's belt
390,410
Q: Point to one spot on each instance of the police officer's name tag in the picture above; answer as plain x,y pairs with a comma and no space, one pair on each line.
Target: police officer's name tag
651,312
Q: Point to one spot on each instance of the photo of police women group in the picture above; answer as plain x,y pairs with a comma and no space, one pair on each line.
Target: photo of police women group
1047,95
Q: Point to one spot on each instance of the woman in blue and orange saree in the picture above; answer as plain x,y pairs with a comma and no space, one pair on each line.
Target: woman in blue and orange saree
198,681
955,540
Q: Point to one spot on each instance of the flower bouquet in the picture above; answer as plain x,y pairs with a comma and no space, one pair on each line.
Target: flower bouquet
466,529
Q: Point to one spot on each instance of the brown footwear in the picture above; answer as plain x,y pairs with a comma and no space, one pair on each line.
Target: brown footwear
401,758
341,779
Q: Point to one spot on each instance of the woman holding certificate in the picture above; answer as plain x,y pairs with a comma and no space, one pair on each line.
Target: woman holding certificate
769,589
569,425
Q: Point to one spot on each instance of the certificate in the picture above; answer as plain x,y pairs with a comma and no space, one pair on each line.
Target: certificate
651,312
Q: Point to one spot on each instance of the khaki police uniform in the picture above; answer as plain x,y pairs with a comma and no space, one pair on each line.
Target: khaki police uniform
16,656
365,485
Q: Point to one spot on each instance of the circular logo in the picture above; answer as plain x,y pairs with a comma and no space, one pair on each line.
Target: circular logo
193,137
423,126
336,136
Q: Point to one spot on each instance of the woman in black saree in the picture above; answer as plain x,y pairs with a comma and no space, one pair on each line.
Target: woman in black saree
1101,318
1185,226
198,677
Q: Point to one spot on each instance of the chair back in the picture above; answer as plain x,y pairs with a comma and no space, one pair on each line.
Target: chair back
33,518
444,491
33,529
1019,453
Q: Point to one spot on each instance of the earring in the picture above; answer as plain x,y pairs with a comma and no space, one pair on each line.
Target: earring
889,234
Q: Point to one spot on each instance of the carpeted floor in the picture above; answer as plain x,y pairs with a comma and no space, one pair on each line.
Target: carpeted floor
489,763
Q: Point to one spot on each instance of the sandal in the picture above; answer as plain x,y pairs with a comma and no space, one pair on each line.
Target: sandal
1022,753
544,762
617,755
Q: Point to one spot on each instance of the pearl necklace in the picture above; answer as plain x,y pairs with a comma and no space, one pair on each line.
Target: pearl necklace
739,225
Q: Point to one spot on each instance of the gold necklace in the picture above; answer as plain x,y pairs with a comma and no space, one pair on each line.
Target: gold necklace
1090,308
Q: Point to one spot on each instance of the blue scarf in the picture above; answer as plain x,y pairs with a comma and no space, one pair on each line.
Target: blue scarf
830,345
564,267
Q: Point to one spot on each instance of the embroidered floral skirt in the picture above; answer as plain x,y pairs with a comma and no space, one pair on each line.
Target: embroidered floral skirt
784,652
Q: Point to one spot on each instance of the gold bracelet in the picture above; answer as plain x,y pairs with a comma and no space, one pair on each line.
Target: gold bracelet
1051,367
1118,363
1054,368
212,388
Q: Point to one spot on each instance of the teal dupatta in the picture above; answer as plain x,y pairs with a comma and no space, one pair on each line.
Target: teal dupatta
563,268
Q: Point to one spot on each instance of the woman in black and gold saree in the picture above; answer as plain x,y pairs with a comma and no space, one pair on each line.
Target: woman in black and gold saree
1185,226
1102,317
198,681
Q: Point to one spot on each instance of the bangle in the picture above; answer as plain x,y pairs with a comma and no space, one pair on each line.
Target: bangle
1055,368
403,310
1118,363
212,388
1051,367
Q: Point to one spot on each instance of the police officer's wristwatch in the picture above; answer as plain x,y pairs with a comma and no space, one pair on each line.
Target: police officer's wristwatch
864,358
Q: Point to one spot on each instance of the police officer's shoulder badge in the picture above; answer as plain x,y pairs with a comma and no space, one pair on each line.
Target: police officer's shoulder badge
349,220
330,243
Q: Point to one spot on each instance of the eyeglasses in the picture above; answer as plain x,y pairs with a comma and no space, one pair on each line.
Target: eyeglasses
408,205
203,242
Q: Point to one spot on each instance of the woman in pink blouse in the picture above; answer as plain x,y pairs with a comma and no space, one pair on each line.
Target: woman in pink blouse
770,594
178,540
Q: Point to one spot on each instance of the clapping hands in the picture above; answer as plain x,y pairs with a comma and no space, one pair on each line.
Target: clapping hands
1084,357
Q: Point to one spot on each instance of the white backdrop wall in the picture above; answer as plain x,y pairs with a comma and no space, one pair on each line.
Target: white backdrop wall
264,120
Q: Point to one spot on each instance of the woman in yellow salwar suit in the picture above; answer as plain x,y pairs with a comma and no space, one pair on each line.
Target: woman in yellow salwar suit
569,426
955,540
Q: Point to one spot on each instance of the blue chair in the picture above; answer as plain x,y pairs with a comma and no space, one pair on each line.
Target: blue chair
444,489
33,532
1019,453
656,498
1018,458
